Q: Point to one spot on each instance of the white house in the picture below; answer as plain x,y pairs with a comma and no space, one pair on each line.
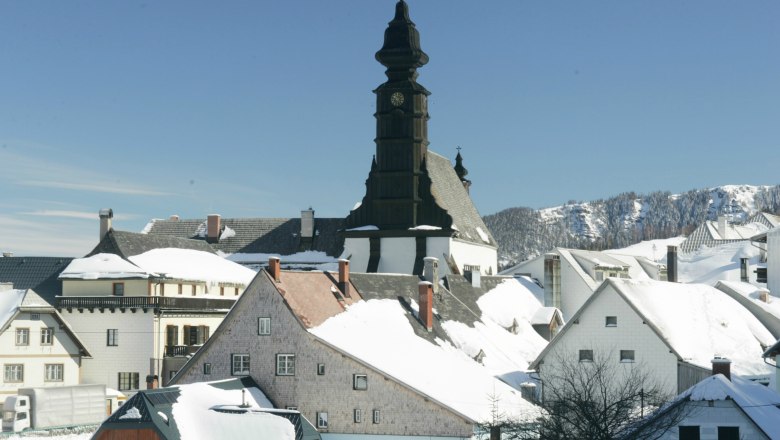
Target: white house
142,315
722,231
39,348
670,330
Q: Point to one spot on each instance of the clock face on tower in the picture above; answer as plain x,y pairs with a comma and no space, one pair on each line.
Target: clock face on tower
397,99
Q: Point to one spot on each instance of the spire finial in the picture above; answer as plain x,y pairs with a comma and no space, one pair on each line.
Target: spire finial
460,170
401,52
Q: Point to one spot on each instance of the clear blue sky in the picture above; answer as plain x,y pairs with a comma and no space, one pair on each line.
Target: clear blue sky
261,109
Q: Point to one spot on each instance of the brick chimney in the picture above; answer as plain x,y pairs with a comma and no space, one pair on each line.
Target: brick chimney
431,272
344,277
274,268
152,382
425,303
106,214
721,365
213,228
671,264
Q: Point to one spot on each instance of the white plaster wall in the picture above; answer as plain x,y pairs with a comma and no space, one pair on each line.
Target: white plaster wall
534,266
34,356
439,247
590,332
397,255
135,349
773,261
103,287
465,253
358,251
574,290
708,418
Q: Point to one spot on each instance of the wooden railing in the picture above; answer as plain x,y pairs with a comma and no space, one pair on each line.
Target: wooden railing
180,350
146,302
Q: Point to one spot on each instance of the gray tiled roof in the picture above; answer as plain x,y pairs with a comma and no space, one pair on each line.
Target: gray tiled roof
37,273
126,244
260,235
450,194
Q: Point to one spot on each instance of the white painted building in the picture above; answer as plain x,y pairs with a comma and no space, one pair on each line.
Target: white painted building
39,348
670,330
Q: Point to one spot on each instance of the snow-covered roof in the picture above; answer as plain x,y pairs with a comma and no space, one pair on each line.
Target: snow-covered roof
378,332
760,403
184,264
102,266
698,321
710,265
544,316
10,300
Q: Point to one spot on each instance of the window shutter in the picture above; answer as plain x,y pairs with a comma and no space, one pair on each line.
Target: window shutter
187,335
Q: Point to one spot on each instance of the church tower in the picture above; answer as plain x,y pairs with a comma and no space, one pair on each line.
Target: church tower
413,196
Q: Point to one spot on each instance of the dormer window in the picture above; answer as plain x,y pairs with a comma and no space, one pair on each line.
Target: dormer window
611,321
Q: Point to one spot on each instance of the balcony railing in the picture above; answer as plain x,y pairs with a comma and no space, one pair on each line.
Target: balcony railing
143,302
180,350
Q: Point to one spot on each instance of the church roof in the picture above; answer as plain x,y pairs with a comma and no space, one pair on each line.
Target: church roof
258,235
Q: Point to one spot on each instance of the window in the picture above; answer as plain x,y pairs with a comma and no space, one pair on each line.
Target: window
263,326
193,290
207,368
728,432
35,316
23,336
240,365
119,289
221,290
626,355
586,355
128,381
291,408
47,335
172,335
172,373
285,365
320,369
53,372
162,289
196,334
358,416
611,321
112,337
689,433
375,416
322,420
359,382
13,373
181,289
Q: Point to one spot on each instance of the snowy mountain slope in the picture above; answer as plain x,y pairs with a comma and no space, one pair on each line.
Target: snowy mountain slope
622,220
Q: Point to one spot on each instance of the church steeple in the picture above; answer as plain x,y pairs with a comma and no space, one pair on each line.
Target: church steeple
401,53
461,171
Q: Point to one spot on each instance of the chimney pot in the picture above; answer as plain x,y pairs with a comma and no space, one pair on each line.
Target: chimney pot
174,218
152,382
425,304
274,268
721,365
671,264
213,228
763,295
344,276
8,254
431,272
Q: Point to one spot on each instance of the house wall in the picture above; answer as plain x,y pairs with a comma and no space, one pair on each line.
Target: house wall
485,257
103,287
397,255
34,356
574,290
590,332
357,250
133,352
402,411
773,261
212,321
709,418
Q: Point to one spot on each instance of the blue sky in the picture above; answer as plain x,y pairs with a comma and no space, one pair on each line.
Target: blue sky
261,109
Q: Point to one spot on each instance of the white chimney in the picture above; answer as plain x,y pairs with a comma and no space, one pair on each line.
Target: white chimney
106,214
431,272
722,223
307,223
473,274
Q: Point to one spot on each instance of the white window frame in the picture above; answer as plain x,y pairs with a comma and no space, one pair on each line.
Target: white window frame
320,369
322,420
239,364
112,337
627,356
47,335
360,382
13,373
207,368
22,337
285,364
357,416
53,372
585,358
264,326
607,322
376,416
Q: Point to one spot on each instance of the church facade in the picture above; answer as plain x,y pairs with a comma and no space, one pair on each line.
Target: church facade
416,203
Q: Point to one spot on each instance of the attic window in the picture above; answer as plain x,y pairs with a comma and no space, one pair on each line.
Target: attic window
320,369
586,355
611,321
264,326
360,382
627,356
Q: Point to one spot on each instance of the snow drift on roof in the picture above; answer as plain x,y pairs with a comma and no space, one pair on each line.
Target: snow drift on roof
710,265
102,266
189,264
10,300
653,250
379,333
699,322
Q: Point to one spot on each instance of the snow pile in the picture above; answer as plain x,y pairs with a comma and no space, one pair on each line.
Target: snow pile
131,413
300,257
189,264
653,250
753,293
483,235
196,419
758,402
103,266
379,333
709,265
10,300
699,322
227,233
